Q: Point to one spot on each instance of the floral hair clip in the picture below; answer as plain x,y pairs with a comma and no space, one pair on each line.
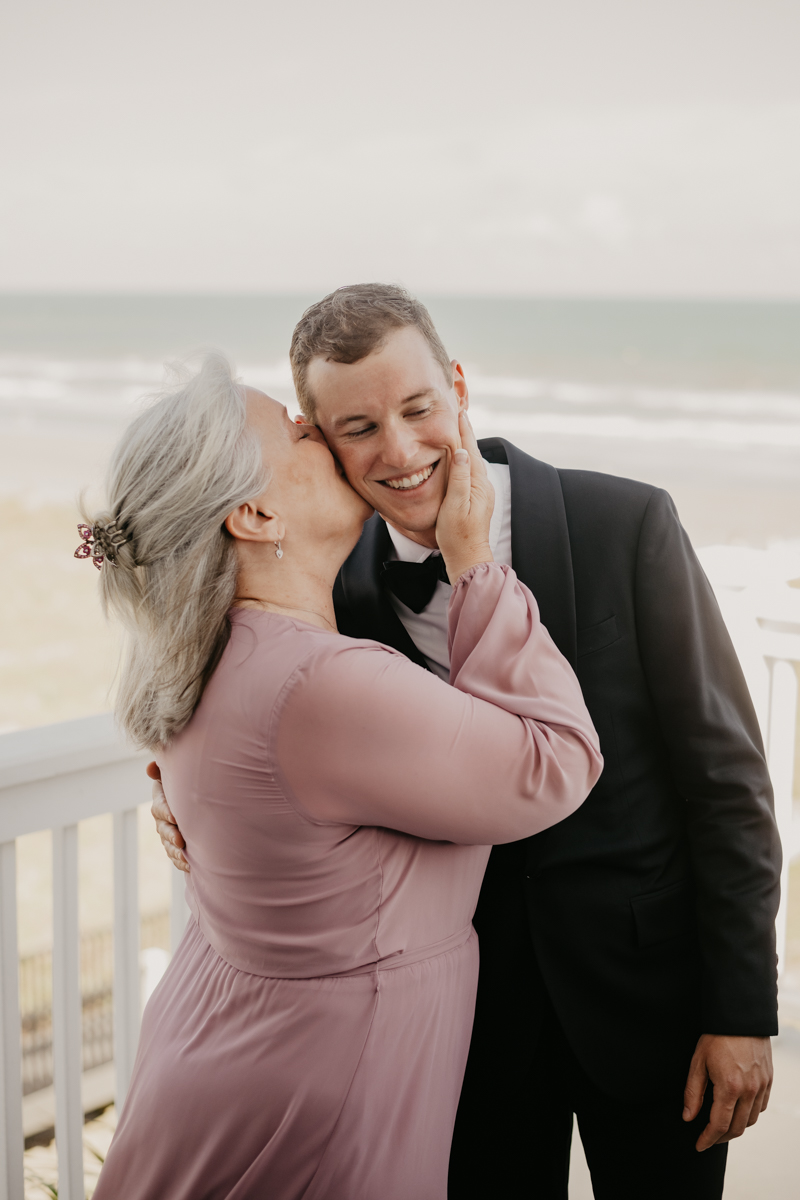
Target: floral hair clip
100,543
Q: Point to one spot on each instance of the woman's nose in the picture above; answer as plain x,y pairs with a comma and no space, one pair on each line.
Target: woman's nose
310,430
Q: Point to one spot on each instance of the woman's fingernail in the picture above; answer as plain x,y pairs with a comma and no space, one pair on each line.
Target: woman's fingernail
461,457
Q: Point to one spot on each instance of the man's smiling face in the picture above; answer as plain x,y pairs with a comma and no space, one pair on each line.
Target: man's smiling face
388,419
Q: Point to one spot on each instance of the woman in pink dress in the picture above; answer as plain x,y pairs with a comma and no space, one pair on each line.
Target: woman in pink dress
338,804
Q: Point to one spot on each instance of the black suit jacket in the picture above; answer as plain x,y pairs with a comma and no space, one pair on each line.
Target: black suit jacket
647,917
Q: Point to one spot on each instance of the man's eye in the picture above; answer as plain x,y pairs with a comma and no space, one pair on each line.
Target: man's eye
356,433
419,412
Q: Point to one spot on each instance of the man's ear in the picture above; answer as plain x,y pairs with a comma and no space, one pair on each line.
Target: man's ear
460,386
251,522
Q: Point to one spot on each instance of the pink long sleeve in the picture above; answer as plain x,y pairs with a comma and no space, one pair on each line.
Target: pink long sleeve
368,738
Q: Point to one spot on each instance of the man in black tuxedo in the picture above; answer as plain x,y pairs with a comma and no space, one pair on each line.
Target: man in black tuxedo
628,970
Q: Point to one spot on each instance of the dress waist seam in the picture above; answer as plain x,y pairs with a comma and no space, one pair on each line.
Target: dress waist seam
391,962
407,958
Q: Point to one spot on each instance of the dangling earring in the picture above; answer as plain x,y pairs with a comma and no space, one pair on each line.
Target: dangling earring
278,552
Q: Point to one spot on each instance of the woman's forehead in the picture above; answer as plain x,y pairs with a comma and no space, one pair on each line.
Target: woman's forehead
262,408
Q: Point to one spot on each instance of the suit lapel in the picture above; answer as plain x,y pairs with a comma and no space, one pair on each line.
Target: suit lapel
540,547
363,609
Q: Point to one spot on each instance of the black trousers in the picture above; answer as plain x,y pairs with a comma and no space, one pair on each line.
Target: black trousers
514,1129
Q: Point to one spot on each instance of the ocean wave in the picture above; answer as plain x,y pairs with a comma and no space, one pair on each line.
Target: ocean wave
690,400
56,394
101,390
489,422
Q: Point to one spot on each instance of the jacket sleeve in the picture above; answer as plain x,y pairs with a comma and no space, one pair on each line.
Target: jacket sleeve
717,761
366,737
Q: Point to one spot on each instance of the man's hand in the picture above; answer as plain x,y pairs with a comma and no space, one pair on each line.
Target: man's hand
168,831
740,1068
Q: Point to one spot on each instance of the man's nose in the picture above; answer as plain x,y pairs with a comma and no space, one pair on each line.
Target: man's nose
399,447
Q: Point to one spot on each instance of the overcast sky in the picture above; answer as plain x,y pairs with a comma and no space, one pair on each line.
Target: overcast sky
519,146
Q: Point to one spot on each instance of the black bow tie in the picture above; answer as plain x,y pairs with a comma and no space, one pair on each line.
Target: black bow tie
415,583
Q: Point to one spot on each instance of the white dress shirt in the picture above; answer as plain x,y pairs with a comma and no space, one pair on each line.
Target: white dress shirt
428,629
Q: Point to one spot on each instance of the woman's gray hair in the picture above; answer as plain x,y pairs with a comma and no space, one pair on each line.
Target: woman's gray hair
180,468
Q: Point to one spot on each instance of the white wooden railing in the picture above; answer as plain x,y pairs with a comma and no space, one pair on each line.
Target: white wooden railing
57,775
762,612
52,778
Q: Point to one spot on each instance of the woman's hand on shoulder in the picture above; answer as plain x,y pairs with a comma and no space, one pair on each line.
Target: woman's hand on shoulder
462,529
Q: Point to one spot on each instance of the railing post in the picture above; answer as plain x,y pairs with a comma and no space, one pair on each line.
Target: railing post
12,1184
67,1034
127,1000
780,756
179,909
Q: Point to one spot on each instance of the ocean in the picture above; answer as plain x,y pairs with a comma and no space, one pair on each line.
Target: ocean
701,398
698,396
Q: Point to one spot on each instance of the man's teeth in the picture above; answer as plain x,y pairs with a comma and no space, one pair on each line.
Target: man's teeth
411,481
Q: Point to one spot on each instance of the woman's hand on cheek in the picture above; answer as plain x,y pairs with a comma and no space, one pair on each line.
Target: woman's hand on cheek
462,529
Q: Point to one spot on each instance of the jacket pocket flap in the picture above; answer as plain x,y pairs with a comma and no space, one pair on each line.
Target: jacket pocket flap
596,637
662,915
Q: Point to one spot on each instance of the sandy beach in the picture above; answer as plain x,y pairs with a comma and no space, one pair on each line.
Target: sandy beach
58,658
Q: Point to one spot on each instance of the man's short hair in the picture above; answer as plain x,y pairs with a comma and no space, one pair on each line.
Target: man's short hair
353,322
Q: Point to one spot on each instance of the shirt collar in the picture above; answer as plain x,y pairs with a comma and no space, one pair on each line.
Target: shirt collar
407,550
